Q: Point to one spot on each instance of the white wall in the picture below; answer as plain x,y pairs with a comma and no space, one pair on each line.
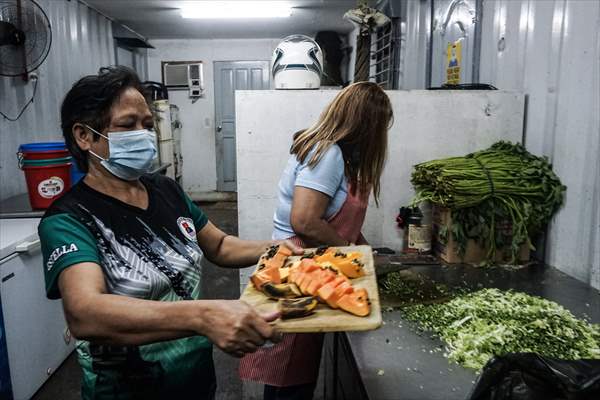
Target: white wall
552,53
427,125
82,42
198,132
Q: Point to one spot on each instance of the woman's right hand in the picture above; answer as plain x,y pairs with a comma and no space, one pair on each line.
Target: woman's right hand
235,327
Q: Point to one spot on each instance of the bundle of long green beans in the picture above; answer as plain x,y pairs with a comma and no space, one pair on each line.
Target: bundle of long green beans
502,183
489,322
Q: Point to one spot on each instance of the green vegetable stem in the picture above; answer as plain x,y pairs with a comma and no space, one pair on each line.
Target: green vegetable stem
486,189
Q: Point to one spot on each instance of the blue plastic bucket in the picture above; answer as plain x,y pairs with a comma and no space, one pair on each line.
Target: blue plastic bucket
42,146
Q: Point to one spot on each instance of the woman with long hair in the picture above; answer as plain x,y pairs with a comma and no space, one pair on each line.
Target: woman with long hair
323,196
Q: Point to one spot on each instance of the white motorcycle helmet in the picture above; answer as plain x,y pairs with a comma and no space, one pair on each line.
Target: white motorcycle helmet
297,63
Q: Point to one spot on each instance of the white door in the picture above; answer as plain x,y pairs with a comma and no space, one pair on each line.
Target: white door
35,326
229,77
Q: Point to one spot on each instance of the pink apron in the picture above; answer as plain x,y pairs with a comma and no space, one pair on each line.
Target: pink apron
295,360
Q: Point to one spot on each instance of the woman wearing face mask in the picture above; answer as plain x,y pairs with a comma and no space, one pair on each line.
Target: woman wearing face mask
122,250
323,196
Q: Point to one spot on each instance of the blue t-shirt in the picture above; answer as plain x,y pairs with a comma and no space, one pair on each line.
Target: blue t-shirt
326,177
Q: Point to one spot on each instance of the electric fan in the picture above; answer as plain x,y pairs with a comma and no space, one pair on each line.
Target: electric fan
25,37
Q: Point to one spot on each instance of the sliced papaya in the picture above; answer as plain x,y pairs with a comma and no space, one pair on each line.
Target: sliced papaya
267,275
298,278
306,276
258,279
334,255
329,266
293,275
354,255
330,255
292,264
327,257
272,274
356,303
327,290
284,274
309,269
308,264
348,264
320,278
341,290
272,263
277,261
271,251
352,268
284,251
302,280
295,269
322,250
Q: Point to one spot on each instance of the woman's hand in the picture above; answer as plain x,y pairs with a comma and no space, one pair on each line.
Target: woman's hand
295,249
234,327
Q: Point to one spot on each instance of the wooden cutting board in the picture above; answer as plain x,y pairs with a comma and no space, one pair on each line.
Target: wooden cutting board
326,319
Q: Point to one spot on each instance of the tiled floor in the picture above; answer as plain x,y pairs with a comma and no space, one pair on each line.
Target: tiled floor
218,283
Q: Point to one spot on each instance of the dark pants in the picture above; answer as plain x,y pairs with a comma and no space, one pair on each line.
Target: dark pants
121,374
296,392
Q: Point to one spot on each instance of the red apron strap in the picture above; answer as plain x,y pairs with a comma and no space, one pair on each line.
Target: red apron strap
348,221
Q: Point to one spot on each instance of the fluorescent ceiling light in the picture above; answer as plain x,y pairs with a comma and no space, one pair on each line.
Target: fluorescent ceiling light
236,9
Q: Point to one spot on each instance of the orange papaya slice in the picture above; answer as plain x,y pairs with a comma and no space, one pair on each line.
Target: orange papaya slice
308,264
356,303
272,274
277,261
284,250
320,278
341,290
258,279
266,275
284,274
327,290
305,280
352,268
293,275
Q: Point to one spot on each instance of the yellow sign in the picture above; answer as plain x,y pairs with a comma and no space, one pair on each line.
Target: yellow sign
454,56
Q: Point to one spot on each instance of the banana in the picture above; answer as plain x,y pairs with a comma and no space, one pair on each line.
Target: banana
281,291
297,308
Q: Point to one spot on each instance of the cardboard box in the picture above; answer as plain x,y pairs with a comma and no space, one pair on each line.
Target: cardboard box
474,253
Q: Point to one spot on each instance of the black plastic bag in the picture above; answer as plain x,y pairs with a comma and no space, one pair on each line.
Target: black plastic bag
528,376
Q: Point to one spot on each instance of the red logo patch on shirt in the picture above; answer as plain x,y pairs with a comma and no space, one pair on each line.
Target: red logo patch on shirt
186,226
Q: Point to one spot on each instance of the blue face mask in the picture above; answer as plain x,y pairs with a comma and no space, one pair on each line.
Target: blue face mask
130,153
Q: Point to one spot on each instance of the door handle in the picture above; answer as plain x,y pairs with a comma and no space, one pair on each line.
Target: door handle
28,247
219,128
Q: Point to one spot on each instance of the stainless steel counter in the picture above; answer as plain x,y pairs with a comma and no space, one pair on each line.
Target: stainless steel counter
398,361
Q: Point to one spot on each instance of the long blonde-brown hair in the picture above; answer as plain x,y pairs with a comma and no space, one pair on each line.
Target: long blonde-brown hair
357,120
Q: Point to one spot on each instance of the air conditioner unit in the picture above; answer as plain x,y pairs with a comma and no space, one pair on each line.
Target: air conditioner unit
184,75
195,80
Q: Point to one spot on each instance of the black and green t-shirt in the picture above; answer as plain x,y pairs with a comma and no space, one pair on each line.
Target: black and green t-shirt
148,254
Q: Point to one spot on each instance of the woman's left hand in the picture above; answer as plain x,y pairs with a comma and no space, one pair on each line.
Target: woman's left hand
296,250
